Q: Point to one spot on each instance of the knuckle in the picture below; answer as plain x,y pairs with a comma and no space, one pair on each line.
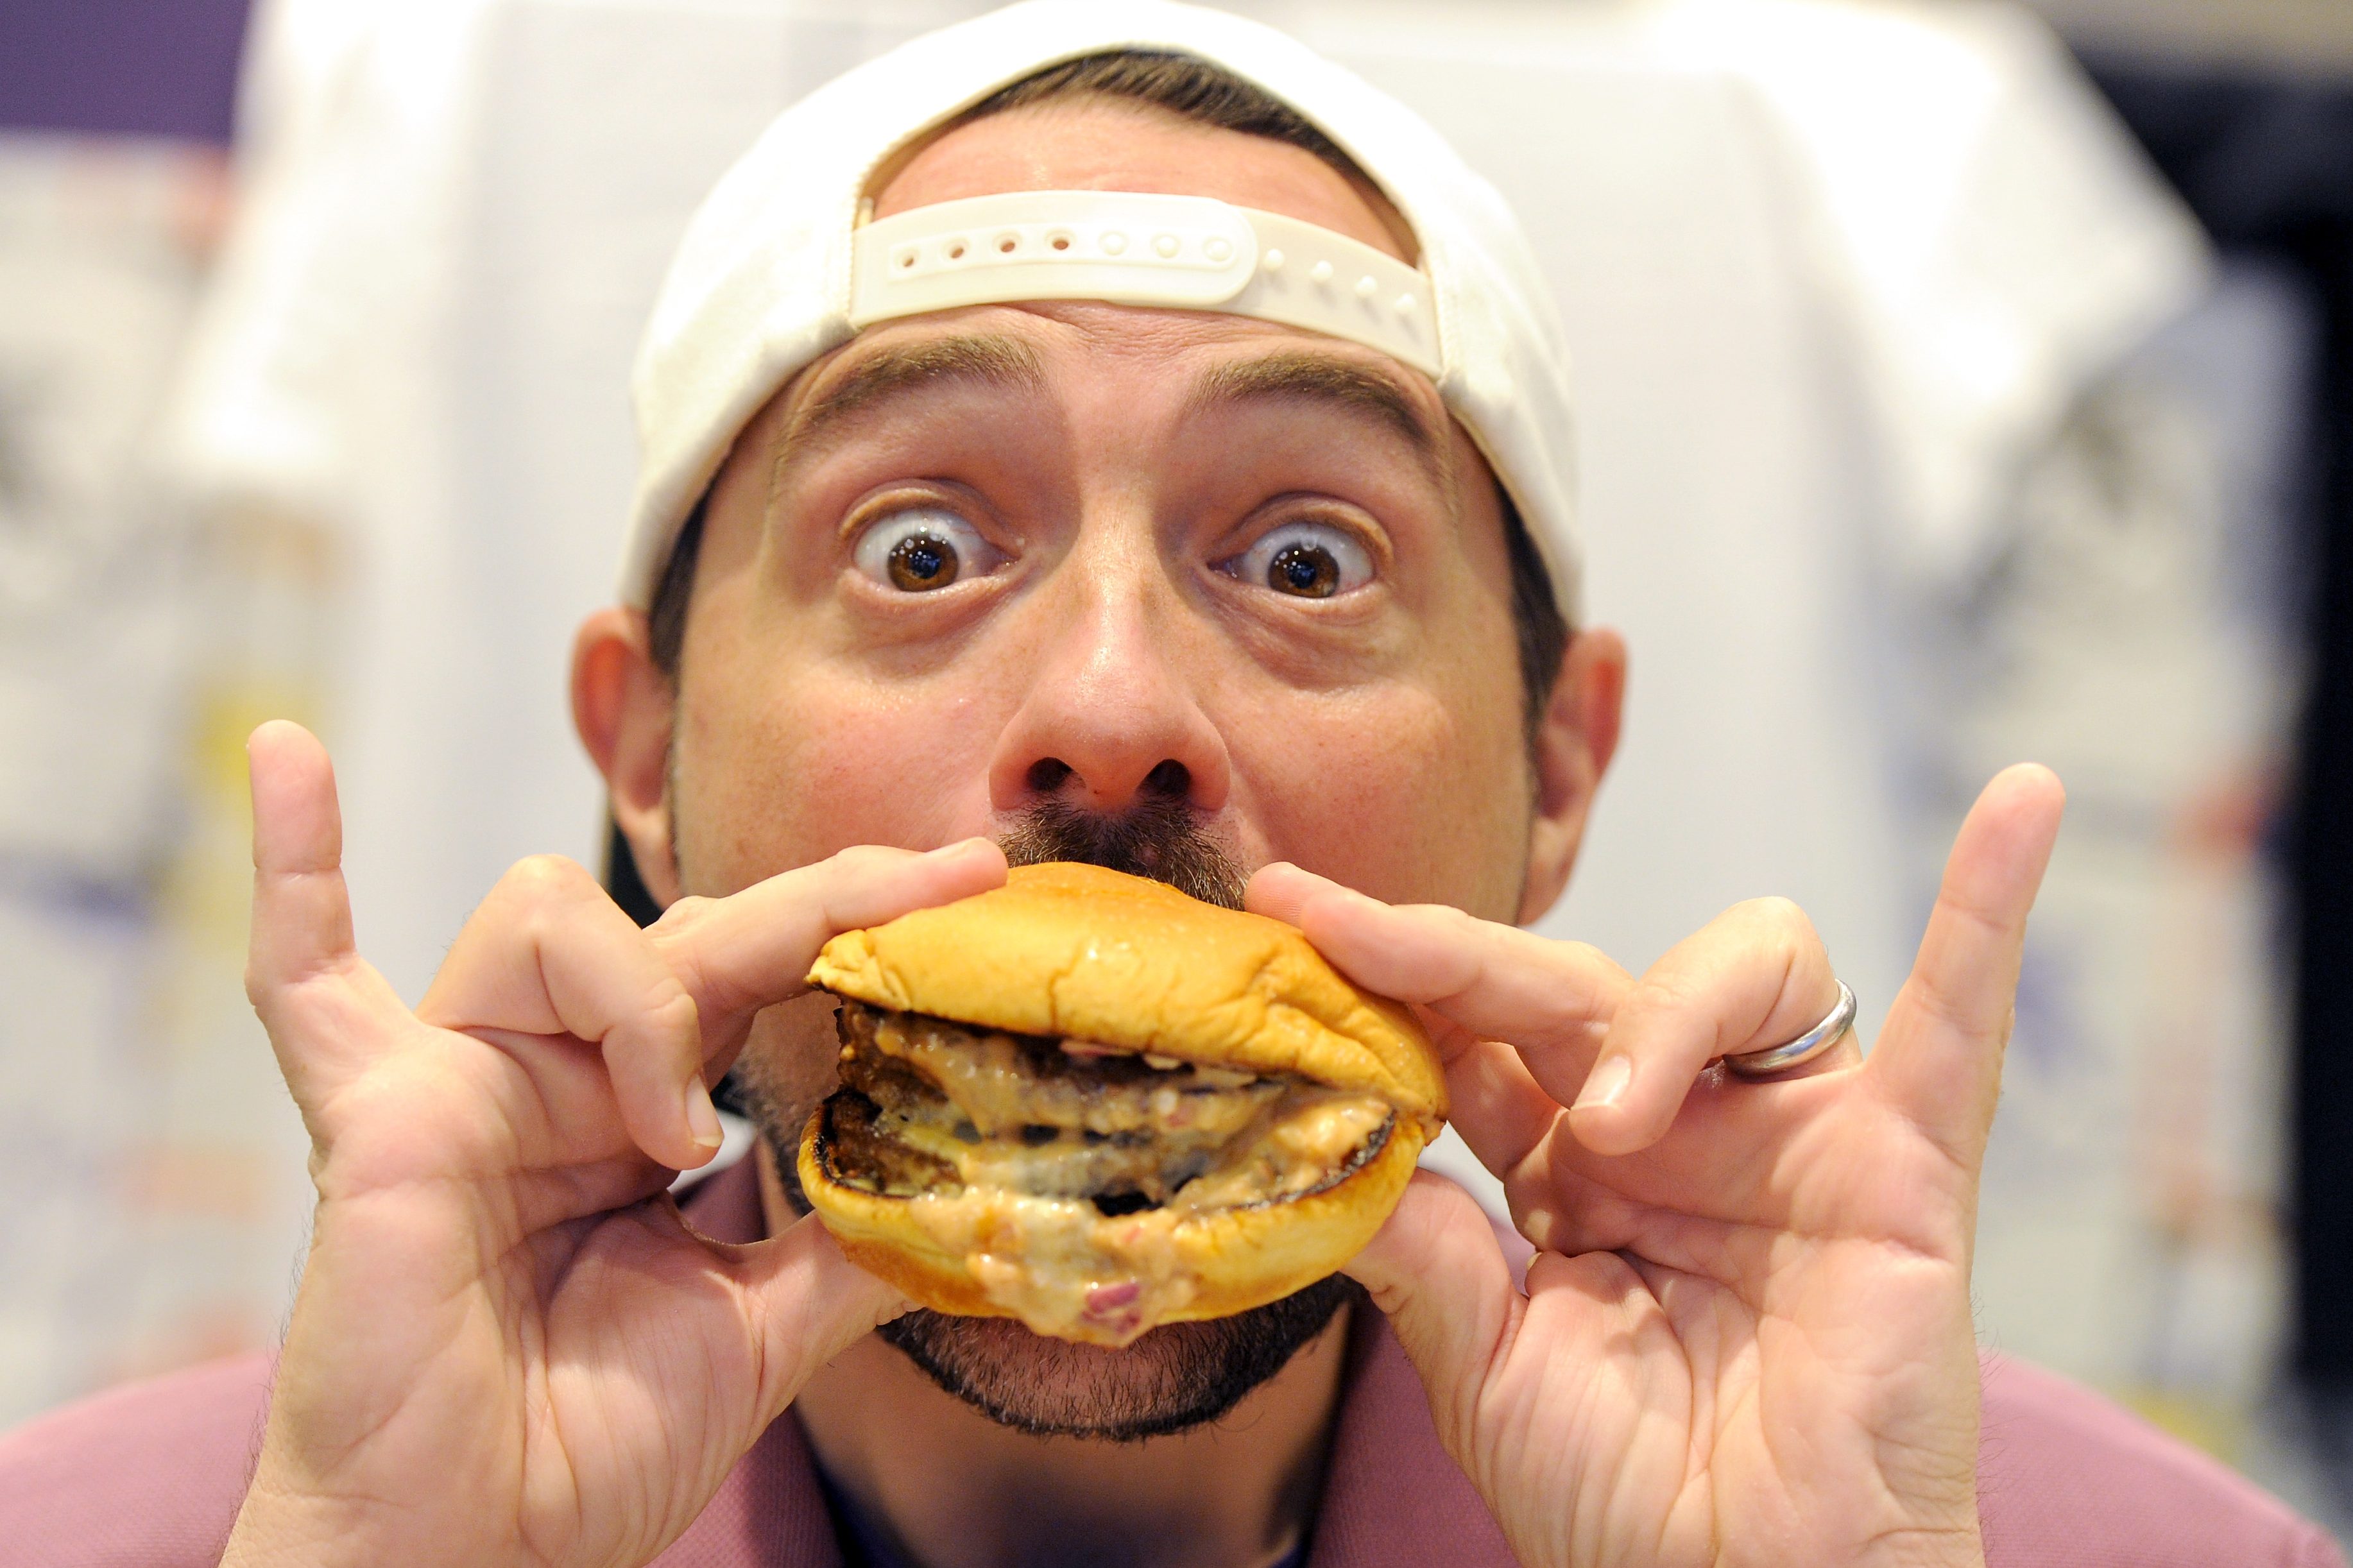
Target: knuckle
1780,916
541,878
534,890
1972,911
1583,958
672,1013
683,912
867,860
1668,992
1461,924
1946,1006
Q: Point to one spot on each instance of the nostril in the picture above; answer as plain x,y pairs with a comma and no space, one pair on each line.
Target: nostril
1171,780
1047,775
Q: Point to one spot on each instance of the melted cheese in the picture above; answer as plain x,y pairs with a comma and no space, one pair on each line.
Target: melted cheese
1035,1137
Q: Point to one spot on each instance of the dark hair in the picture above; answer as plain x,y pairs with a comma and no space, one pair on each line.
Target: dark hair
1210,95
665,616
1188,87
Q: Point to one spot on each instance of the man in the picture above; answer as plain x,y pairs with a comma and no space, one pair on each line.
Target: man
1257,580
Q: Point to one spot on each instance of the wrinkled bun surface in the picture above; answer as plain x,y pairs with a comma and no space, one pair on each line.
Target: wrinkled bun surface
1085,953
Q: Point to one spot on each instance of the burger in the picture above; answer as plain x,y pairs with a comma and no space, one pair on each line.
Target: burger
1089,1101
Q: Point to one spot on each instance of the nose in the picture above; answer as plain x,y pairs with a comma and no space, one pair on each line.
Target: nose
1109,719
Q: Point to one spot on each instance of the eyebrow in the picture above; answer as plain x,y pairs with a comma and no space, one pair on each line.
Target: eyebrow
1307,377
903,368
992,360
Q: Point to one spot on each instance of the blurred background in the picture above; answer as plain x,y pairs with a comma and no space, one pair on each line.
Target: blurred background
1962,383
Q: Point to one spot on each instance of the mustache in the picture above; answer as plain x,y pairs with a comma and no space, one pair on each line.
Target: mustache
1160,838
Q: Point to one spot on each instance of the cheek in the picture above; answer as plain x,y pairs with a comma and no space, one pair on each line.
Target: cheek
775,772
790,1061
1394,790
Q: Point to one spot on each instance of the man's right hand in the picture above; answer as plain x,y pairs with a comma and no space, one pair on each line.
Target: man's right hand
507,1346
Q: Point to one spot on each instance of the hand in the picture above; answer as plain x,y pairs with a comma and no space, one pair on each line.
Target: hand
1745,1336
508,1347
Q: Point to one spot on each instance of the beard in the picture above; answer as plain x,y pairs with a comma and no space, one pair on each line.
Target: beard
1174,1377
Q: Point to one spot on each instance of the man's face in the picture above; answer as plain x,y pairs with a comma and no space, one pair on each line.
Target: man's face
1034,571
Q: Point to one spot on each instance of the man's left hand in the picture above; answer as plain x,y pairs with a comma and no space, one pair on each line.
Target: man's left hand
1745,1336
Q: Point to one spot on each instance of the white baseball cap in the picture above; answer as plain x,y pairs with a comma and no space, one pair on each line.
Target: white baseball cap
776,268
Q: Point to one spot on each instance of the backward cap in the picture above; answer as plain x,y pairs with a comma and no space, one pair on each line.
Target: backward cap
760,287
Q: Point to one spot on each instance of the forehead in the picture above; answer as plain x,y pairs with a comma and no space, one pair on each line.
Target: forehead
1179,362
1101,143
1097,144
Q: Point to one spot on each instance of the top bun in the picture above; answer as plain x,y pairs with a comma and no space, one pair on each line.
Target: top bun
1085,953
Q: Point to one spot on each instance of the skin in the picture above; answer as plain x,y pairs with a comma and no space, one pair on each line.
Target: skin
1747,1335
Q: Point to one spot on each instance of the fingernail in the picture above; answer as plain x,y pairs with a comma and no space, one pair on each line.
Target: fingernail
1608,1084
703,1117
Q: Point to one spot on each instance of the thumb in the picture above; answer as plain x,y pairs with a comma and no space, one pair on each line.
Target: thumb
807,1303
1438,1272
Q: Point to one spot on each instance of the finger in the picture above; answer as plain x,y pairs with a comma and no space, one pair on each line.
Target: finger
1281,890
302,912
323,1007
1939,1056
808,1304
1754,976
549,953
1493,981
738,955
1497,1103
1438,1274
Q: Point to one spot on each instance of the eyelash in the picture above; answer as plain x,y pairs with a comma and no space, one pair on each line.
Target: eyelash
1351,564
905,547
877,552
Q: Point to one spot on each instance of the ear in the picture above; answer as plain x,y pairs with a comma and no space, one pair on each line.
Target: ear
1574,742
623,706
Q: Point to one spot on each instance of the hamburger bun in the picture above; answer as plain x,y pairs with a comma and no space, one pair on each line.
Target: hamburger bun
1090,1102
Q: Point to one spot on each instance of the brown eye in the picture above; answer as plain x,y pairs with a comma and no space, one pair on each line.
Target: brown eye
920,561
1305,561
1307,571
923,548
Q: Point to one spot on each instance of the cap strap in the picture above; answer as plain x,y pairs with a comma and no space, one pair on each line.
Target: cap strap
1187,253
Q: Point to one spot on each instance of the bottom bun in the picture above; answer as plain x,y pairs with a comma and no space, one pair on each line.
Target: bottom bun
1068,1270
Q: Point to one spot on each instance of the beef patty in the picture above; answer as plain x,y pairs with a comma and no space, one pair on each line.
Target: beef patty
931,1106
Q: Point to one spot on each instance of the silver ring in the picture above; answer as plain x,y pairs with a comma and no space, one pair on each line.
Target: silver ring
1777,1059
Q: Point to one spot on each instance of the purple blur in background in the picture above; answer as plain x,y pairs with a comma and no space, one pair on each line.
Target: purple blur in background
139,67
